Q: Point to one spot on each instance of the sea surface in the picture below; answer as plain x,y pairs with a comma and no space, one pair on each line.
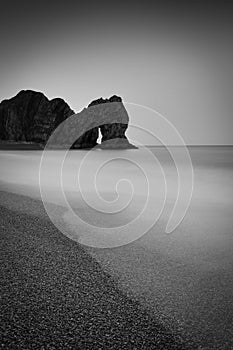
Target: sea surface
185,274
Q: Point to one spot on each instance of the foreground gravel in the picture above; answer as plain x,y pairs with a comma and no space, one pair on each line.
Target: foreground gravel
55,296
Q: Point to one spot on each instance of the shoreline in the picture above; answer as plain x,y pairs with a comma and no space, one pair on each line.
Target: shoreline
56,296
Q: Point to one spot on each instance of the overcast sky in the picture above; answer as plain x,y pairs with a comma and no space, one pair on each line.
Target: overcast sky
171,57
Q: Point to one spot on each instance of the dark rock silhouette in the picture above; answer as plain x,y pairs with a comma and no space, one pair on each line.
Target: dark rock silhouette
114,98
30,116
113,134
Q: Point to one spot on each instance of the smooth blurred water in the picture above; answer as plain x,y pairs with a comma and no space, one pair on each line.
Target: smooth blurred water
111,188
213,169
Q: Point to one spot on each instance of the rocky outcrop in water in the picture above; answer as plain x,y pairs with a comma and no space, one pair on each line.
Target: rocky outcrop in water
113,133
31,117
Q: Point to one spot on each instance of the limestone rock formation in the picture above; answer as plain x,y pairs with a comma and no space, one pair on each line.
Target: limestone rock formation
113,134
30,116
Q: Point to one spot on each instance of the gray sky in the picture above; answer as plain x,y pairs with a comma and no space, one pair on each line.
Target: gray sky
168,56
